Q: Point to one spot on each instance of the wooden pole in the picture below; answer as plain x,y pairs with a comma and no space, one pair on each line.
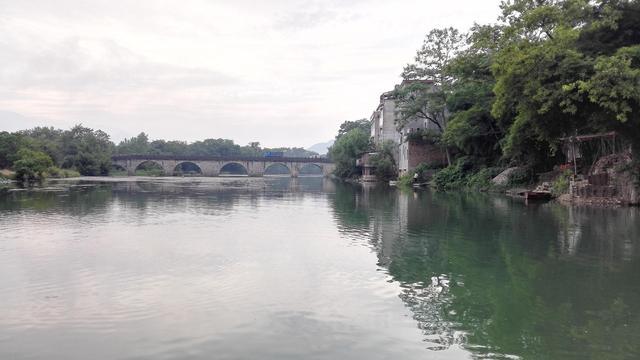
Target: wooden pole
573,152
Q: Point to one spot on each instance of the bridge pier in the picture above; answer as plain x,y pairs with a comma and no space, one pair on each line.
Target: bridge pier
131,171
168,166
208,169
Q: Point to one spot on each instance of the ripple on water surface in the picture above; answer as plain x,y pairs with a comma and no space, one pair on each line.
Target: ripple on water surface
281,268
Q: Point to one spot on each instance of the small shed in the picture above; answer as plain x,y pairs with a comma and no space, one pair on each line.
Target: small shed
583,151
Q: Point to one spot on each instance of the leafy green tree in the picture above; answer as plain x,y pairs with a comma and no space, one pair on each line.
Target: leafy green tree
214,147
87,150
292,152
611,42
135,145
9,145
208,147
553,79
427,81
384,162
471,128
533,64
345,127
347,148
31,165
255,145
45,139
163,147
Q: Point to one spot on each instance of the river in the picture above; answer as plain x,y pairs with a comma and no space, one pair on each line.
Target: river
280,268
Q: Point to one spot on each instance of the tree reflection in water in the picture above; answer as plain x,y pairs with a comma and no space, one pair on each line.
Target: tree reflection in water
504,279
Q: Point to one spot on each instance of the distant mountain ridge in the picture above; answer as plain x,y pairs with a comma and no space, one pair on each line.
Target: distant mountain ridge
321,148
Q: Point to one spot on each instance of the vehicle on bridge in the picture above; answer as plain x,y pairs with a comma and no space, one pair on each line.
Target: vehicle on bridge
273,154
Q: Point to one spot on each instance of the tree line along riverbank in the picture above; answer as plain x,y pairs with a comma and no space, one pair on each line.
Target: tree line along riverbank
539,92
42,152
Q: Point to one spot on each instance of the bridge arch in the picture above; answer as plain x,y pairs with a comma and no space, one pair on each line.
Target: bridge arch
311,169
187,168
233,169
277,169
117,169
149,168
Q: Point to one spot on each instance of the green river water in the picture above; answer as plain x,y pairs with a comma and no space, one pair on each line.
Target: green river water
280,268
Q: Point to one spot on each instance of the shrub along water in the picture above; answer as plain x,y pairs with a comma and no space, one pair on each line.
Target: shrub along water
561,183
32,165
384,163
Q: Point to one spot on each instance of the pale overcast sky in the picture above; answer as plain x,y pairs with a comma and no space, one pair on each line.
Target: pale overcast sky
282,72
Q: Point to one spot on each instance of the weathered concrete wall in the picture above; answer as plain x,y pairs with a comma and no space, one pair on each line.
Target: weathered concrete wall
374,122
388,122
413,154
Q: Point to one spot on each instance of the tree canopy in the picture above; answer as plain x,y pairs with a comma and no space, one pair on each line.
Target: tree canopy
506,93
209,147
547,69
349,145
345,127
555,76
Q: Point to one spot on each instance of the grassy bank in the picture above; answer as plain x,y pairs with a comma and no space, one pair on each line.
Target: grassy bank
7,174
50,173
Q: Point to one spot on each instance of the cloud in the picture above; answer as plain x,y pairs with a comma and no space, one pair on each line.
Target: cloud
302,19
82,63
283,72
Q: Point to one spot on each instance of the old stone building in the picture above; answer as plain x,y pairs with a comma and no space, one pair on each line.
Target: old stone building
383,120
408,151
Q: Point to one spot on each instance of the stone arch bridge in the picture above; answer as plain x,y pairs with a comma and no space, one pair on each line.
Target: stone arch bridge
213,165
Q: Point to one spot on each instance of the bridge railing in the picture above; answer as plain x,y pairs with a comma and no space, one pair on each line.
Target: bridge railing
219,158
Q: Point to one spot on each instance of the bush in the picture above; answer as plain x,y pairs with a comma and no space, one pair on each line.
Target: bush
406,180
56,172
89,164
384,162
453,176
521,176
425,136
117,171
422,170
561,183
465,174
481,180
32,165
385,167
149,169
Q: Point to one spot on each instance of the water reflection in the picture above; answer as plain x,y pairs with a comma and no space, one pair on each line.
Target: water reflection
279,268
503,278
